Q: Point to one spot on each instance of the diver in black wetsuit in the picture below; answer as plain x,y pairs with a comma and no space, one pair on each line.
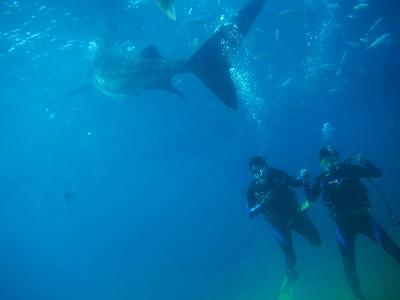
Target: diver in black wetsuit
347,199
271,194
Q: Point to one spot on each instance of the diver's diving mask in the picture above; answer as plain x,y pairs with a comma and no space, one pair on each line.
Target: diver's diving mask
329,163
259,172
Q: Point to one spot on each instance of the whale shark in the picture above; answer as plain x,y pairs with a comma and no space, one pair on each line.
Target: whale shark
119,73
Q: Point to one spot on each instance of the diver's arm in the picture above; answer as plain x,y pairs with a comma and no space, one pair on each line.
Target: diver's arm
293,181
288,179
254,207
254,211
313,189
374,171
364,168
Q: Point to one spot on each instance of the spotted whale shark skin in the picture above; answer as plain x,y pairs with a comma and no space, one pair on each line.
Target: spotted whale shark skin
117,72
123,74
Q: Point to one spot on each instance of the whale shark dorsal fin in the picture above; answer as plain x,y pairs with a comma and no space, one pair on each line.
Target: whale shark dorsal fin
151,52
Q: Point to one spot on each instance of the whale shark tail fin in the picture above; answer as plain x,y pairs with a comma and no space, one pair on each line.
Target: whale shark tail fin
212,62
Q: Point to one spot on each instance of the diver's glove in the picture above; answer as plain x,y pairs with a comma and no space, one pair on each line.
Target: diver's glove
261,199
261,202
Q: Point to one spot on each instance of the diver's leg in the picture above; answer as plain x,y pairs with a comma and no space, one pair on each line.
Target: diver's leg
379,235
304,226
346,241
284,236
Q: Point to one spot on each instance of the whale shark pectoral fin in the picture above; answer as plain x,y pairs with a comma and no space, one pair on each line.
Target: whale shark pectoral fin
174,90
151,52
78,91
168,7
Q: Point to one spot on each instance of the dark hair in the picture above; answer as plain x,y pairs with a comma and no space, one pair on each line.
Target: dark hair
257,161
328,151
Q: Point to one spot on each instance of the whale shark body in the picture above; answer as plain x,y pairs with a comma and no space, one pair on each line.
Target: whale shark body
119,73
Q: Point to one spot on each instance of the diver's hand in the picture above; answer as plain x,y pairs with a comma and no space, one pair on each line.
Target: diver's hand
359,159
304,175
260,204
260,198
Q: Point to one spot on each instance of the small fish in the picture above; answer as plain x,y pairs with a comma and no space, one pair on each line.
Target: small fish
277,35
69,196
353,44
361,6
335,91
380,41
333,5
366,39
260,56
327,67
269,73
344,56
285,12
286,82
35,35
168,7
351,16
374,26
136,3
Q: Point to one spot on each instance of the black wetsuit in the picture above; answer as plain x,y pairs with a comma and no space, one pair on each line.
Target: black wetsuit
347,199
281,209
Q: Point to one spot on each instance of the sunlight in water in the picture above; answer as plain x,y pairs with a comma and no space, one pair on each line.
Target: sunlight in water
319,41
91,49
136,3
254,105
246,84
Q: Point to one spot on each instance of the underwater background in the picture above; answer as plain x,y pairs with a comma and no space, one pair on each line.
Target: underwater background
144,198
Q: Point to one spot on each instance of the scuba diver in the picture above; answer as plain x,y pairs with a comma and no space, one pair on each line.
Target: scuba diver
271,194
347,199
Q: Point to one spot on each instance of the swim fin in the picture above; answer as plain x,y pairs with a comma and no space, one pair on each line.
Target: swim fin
286,289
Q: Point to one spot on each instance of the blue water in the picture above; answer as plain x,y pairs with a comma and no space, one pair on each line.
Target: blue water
144,198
